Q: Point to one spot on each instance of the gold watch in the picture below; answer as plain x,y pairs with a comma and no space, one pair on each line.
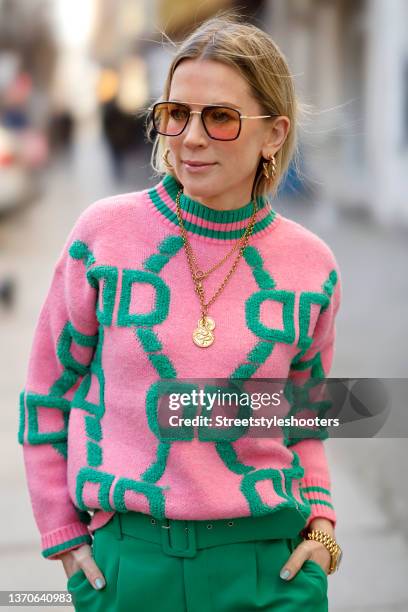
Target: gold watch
330,543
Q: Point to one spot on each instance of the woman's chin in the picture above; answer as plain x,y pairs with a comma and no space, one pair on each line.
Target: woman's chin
194,192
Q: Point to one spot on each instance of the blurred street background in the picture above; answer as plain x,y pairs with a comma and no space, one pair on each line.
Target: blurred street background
73,78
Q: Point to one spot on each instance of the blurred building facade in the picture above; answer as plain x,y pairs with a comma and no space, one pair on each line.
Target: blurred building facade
27,46
350,58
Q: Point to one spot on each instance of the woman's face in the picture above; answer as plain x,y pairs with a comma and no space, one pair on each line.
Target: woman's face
225,183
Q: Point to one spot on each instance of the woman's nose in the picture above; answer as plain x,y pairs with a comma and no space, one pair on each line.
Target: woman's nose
194,132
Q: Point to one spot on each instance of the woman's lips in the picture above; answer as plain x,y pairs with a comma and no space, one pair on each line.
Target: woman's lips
197,166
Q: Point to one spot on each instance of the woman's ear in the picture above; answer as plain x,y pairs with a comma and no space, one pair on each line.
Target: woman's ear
275,135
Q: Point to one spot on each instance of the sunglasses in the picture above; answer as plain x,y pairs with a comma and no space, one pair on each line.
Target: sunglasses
220,122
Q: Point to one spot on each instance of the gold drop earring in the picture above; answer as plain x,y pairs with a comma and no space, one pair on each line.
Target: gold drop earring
269,168
165,158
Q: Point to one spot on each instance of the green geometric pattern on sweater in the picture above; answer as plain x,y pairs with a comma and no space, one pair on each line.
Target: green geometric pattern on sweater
142,323
109,274
255,358
72,371
149,340
33,403
298,395
258,355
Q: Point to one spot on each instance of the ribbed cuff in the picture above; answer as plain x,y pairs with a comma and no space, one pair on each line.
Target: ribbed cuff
64,539
317,493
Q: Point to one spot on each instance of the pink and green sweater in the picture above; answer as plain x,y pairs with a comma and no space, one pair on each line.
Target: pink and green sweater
118,318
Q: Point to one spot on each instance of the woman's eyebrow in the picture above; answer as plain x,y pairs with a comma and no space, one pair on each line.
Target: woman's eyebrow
221,103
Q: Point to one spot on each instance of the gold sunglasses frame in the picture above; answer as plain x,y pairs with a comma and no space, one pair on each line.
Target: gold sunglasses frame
193,112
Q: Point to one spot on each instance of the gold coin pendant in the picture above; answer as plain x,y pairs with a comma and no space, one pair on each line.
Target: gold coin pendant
203,335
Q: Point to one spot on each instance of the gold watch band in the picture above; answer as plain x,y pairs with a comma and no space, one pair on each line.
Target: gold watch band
318,535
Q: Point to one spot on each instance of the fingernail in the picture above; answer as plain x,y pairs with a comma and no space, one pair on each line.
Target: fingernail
99,583
285,574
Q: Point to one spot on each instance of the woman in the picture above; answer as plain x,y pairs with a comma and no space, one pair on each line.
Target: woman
198,277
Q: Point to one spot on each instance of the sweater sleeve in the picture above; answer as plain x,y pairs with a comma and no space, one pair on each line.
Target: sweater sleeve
314,362
63,345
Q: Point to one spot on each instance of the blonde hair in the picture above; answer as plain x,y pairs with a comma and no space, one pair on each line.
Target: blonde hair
262,64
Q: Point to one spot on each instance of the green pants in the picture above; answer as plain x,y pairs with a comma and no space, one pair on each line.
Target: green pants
173,566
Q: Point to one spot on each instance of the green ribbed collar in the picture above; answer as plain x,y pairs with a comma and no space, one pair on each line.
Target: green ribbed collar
204,212
205,216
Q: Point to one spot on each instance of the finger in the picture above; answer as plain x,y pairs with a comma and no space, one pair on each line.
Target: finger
93,573
82,552
294,563
83,555
70,567
69,563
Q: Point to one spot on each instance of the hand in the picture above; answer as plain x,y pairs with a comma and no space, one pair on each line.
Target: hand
308,549
81,558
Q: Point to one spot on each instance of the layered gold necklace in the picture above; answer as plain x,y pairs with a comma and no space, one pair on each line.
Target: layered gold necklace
203,334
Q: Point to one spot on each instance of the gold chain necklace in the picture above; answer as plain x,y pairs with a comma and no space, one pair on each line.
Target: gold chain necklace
203,335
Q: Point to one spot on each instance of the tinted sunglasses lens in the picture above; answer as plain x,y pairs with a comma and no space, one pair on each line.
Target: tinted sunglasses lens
170,119
222,123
